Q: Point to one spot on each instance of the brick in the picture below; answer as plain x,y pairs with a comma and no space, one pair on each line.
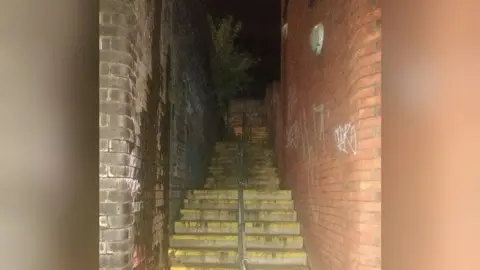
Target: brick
114,183
109,7
370,122
115,158
120,221
116,234
120,95
118,56
102,247
364,92
108,208
369,102
366,112
122,171
104,120
120,19
113,247
121,146
117,196
103,94
367,81
103,145
119,70
116,134
369,143
103,221
122,44
115,260
113,30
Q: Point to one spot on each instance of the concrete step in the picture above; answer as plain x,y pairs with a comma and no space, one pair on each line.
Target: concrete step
269,257
247,194
263,187
277,242
259,175
235,267
202,266
226,148
259,186
231,215
231,227
233,204
251,183
226,162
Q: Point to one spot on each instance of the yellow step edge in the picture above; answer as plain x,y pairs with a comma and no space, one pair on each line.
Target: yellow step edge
204,237
199,252
259,212
230,224
235,237
231,253
200,268
231,201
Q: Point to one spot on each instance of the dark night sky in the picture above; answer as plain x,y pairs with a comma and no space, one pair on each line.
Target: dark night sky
260,35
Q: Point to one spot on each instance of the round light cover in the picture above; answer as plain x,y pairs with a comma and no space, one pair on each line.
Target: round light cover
316,38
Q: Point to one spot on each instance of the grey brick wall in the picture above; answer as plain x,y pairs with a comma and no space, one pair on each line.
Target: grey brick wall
132,170
143,68
194,112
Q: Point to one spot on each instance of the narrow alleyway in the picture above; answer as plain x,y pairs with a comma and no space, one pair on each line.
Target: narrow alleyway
207,234
298,187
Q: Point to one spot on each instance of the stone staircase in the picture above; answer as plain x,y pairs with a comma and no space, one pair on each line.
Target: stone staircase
206,235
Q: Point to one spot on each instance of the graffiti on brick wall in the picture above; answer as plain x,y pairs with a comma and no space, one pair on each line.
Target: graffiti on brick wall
346,138
305,135
293,132
318,113
291,102
134,187
293,135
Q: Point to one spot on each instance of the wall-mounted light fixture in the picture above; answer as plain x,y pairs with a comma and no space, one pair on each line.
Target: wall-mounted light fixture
285,31
316,38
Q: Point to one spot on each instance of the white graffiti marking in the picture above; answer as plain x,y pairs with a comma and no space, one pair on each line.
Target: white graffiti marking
319,129
306,141
346,138
134,186
293,135
291,101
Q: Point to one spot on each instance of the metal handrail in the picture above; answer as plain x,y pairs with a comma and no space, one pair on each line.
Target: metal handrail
242,263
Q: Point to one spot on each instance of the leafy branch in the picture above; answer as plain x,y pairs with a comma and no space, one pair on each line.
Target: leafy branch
229,64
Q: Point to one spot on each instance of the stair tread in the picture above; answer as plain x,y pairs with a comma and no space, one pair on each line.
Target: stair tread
234,266
233,221
249,250
247,234
246,210
232,234
206,235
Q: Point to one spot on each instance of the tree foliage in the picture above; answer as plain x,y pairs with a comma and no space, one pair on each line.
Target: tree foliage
229,65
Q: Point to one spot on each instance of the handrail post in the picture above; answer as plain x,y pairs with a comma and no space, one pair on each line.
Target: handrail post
241,206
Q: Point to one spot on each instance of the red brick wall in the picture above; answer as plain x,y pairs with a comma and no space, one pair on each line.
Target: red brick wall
274,110
331,159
